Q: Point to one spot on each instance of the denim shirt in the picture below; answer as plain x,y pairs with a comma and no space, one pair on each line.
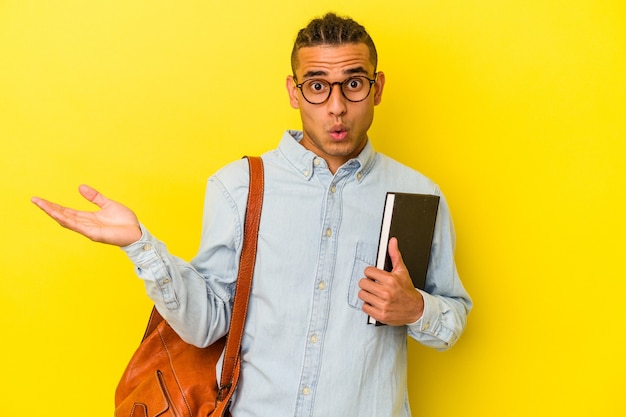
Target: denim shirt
307,348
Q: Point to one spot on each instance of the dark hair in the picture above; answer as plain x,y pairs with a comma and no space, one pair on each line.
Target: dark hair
332,30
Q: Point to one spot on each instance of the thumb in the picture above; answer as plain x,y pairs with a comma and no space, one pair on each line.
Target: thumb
92,195
397,264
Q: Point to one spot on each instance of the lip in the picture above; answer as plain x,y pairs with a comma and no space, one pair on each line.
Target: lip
338,132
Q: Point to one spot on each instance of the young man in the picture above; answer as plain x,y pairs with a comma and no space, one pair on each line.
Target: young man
307,350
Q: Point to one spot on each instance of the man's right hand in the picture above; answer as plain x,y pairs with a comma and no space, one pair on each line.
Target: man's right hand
114,223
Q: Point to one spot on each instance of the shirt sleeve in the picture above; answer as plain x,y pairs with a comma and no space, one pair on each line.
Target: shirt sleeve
446,302
195,297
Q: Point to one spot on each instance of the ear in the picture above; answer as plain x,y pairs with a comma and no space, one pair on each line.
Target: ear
292,90
378,88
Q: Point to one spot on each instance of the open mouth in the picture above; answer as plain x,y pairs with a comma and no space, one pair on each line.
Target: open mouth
338,133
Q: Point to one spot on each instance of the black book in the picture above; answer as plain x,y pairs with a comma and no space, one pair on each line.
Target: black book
410,218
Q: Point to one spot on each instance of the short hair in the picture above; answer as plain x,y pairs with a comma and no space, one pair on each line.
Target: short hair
332,30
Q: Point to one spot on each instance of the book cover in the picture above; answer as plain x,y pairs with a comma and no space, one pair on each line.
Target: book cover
410,218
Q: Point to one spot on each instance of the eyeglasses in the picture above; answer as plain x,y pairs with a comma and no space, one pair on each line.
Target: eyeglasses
354,89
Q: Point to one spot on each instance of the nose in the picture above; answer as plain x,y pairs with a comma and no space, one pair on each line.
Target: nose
336,101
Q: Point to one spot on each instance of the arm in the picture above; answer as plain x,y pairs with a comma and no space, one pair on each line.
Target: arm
195,304
435,317
195,297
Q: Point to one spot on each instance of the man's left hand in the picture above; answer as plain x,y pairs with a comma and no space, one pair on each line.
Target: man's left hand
390,297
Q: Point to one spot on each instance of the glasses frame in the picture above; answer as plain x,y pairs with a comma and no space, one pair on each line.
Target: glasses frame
340,83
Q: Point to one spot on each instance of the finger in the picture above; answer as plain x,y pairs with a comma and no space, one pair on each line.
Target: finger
92,195
394,254
370,302
60,214
373,273
50,208
368,284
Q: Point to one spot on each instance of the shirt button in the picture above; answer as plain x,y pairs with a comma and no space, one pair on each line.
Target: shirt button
321,285
426,326
166,281
333,189
314,338
316,162
329,233
147,247
306,390
306,173
359,176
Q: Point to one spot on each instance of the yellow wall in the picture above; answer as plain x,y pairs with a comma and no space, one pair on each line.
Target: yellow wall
516,108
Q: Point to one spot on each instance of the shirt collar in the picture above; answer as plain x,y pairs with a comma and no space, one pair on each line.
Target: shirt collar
303,160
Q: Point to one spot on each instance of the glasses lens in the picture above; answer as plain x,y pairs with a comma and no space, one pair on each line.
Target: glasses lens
316,91
356,88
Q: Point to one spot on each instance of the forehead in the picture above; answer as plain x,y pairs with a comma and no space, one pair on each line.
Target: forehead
334,60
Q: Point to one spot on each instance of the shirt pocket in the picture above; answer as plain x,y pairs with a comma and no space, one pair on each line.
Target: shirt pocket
364,256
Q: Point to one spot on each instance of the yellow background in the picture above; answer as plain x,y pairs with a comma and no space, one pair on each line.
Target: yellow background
516,108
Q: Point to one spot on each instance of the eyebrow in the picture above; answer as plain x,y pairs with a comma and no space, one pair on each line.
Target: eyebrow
349,71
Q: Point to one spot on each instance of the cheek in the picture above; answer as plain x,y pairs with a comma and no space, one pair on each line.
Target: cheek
365,116
311,116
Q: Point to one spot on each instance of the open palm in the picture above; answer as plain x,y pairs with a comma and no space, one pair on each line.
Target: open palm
114,223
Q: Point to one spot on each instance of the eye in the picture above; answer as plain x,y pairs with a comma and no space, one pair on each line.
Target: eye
354,83
316,86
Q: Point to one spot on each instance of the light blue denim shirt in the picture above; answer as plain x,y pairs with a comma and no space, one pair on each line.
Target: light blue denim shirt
307,348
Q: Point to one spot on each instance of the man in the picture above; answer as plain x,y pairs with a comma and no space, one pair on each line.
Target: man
307,350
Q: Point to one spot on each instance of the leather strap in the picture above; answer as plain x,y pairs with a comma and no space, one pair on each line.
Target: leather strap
230,367
247,260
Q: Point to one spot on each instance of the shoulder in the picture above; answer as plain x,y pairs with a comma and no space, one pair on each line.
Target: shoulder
233,172
401,177
229,183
